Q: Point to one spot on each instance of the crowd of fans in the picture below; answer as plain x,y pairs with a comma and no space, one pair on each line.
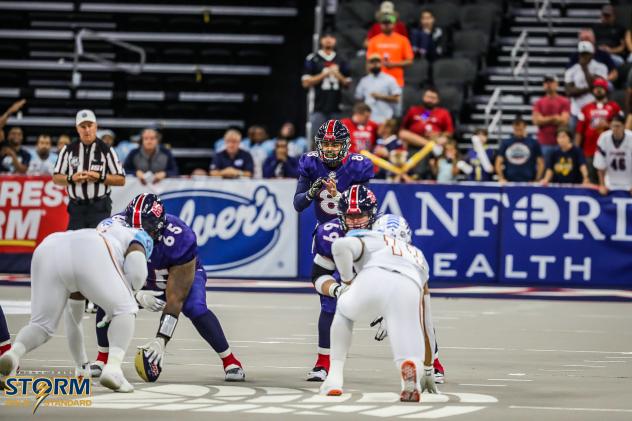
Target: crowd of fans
568,127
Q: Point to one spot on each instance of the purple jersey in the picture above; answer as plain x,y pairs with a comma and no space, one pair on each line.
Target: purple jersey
325,236
355,169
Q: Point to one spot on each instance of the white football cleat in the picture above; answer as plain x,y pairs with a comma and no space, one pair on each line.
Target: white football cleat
234,373
410,390
9,363
113,378
318,374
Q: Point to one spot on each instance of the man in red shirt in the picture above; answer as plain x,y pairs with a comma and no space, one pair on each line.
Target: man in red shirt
593,120
363,131
424,121
550,112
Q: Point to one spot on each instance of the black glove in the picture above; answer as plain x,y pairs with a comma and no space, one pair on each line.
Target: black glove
315,188
381,333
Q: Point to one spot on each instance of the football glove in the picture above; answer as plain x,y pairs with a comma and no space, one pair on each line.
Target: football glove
428,381
149,300
381,333
315,188
155,351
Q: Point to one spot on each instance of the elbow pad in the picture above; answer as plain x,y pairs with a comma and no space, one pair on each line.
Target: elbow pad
135,269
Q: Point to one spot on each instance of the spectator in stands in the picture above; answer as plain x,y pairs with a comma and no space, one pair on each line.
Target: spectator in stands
125,146
387,8
327,73
566,164
280,164
519,156
13,157
108,137
379,91
550,112
395,49
595,119
43,160
612,158
151,162
600,55
578,79
14,108
427,40
444,167
260,147
423,122
297,145
609,35
628,100
62,140
362,130
232,161
479,158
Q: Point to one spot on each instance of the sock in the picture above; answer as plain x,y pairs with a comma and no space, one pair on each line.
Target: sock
324,329
103,357
116,357
323,361
73,316
341,332
29,337
229,359
210,329
120,335
4,330
102,333
4,348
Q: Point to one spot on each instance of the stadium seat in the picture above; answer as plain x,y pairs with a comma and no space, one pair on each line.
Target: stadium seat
455,71
446,14
408,12
351,38
185,24
451,98
411,95
251,56
623,15
180,110
618,96
481,17
178,55
357,65
363,11
417,73
144,23
145,109
470,44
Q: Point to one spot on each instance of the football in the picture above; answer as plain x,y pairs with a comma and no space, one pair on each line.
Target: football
146,370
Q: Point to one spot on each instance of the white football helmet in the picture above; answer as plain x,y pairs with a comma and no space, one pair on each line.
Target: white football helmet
393,226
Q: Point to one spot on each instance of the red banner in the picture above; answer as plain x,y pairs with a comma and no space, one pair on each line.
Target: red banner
31,207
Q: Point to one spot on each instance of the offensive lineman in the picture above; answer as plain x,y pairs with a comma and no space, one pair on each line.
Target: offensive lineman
105,266
391,280
323,175
184,289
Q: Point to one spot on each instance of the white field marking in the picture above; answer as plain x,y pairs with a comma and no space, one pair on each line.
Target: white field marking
345,409
304,406
233,407
510,380
232,398
482,385
275,342
584,365
474,398
187,390
516,374
270,410
279,390
177,407
379,397
274,399
448,411
607,361
555,408
204,401
308,413
395,410
436,397
233,391
327,399
119,405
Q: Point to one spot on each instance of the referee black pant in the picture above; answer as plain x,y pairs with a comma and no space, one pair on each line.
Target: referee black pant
88,213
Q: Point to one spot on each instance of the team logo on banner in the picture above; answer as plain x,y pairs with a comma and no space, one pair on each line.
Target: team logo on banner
232,230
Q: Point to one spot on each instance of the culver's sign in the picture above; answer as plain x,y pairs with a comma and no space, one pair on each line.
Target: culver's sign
243,228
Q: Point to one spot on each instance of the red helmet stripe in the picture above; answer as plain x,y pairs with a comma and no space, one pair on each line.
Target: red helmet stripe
136,221
353,200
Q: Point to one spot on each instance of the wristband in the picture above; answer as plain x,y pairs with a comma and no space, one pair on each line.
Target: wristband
102,177
167,326
70,180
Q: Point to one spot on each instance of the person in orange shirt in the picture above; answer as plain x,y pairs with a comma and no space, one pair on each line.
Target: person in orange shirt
394,48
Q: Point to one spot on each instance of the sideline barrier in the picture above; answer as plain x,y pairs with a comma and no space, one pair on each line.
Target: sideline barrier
470,234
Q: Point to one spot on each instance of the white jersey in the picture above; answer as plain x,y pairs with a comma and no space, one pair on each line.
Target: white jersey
119,235
615,160
388,253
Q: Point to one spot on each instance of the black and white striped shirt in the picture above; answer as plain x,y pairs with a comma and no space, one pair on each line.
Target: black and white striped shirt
77,157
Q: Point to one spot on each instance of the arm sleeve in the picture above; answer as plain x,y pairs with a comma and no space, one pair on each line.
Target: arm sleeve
113,164
301,201
135,268
346,251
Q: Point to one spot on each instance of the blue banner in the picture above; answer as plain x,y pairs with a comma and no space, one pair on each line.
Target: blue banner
510,234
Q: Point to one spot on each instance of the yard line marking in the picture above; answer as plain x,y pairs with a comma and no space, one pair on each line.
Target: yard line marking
517,374
584,365
555,408
482,385
554,370
591,361
510,380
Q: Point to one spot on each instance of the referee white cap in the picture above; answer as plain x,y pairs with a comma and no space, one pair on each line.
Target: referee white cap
85,115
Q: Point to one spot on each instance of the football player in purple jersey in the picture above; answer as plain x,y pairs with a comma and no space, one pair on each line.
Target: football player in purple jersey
323,175
176,283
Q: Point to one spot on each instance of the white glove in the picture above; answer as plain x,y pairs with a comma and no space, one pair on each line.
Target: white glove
148,300
428,381
104,321
155,350
340,289
381,333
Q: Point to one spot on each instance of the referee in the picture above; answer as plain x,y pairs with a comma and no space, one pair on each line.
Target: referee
88,167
